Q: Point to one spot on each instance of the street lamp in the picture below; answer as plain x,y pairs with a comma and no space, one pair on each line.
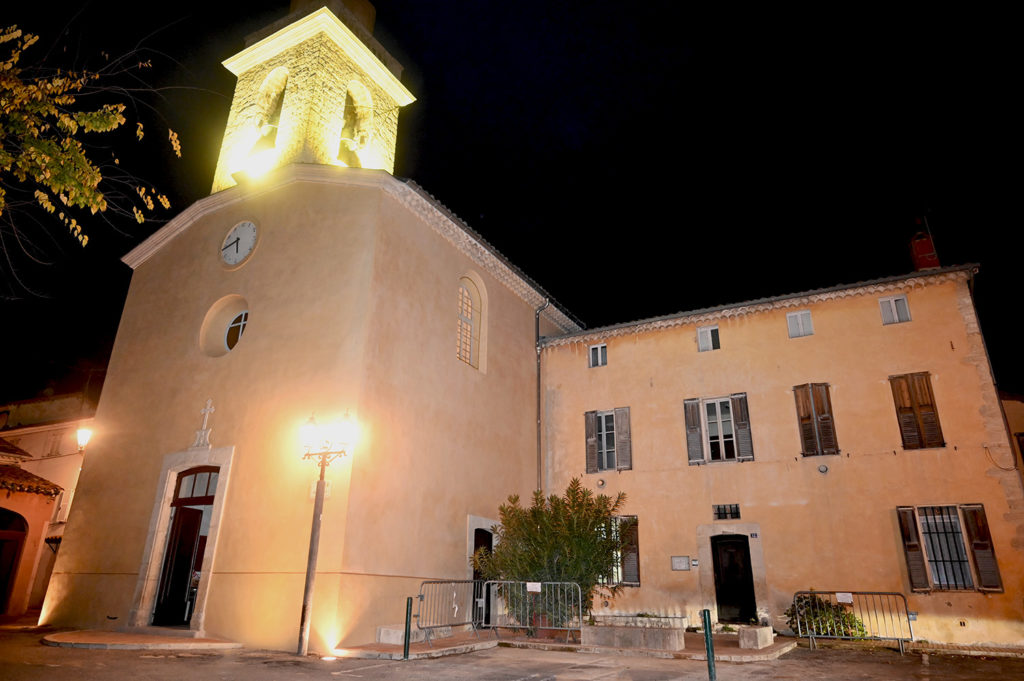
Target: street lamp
325,442
83,435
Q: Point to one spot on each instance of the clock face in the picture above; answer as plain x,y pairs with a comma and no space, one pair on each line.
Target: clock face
239,243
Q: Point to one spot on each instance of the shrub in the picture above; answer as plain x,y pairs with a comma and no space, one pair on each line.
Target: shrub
823,618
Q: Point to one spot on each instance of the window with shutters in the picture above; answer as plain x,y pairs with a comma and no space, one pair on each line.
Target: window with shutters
814,418
799,324
626,571
707,338
948,548
916,413
598,355
894,309
608,440
718,429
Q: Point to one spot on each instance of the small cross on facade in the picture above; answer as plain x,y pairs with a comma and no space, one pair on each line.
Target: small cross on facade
203,434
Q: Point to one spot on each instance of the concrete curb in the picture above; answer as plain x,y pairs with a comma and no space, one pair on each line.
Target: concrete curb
768,654
366,654
105,640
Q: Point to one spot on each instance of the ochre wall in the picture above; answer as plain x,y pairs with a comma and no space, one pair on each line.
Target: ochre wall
836,530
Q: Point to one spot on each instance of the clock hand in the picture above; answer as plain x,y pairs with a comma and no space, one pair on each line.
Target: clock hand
235,243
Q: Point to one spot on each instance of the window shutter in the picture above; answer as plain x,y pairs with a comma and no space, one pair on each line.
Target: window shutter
916,569
623,450
826,424
922,391
904,401
741,424
980,544
793,322
887,315
590,426
630,551
805,420
694,439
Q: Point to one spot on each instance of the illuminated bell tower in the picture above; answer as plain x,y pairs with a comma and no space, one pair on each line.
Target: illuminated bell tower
314,87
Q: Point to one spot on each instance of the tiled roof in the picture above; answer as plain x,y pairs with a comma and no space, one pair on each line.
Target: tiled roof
19,480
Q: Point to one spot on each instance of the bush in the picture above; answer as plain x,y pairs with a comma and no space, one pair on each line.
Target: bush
819,617
569,538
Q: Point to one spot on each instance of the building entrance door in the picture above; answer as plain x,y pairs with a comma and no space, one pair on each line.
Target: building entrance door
13,529
734,579
186,546
482,539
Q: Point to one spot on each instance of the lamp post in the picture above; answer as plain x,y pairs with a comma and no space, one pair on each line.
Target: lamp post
325,442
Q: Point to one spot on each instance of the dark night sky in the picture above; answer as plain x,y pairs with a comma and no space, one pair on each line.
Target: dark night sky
634,160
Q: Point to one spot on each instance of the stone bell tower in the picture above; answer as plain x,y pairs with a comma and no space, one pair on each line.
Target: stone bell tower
313,87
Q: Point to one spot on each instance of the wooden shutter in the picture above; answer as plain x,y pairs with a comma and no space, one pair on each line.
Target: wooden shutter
623,450
980,544
590,426
630,550
805,420
916,568
694,438
904,400
823,414
741,425
928,415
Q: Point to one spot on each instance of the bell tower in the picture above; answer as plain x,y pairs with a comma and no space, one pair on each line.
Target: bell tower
314,87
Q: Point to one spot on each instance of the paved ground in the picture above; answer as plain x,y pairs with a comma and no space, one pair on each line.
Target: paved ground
23,658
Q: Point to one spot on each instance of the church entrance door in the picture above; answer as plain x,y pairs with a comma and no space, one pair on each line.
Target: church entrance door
186,546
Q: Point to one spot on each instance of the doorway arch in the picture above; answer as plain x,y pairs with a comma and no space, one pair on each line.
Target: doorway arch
13,531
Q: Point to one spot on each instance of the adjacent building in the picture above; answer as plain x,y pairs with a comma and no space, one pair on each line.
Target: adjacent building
847,439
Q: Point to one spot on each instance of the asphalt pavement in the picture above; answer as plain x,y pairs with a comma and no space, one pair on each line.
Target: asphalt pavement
24,658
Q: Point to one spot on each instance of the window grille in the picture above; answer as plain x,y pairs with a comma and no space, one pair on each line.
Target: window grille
944,546
726,511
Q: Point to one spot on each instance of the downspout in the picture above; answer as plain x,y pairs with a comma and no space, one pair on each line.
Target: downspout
536,339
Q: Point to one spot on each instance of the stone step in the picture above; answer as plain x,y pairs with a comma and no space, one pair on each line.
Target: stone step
394,634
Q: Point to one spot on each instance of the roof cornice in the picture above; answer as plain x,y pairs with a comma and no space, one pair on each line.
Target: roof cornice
322,21
905,282
408,194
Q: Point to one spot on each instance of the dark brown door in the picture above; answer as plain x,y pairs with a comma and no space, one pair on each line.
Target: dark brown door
172,605
734,580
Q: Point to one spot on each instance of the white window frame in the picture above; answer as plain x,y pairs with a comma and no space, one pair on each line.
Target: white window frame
801,320
597,355
708,338
605,440
616,577
705,424
239,321
890,310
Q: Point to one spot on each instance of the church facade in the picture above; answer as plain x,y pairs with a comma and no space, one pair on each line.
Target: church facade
312,281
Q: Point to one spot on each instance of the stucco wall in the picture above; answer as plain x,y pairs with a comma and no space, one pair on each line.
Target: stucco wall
352,306
833,530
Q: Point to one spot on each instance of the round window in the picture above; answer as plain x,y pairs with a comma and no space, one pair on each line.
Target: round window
223,325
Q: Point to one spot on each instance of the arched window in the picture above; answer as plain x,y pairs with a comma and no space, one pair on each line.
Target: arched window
269,102
357,124
471,320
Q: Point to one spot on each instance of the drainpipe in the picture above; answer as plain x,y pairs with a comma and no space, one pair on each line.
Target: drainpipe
536,338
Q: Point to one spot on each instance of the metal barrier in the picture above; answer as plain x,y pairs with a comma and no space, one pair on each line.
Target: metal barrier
447,604
533,606
852,615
